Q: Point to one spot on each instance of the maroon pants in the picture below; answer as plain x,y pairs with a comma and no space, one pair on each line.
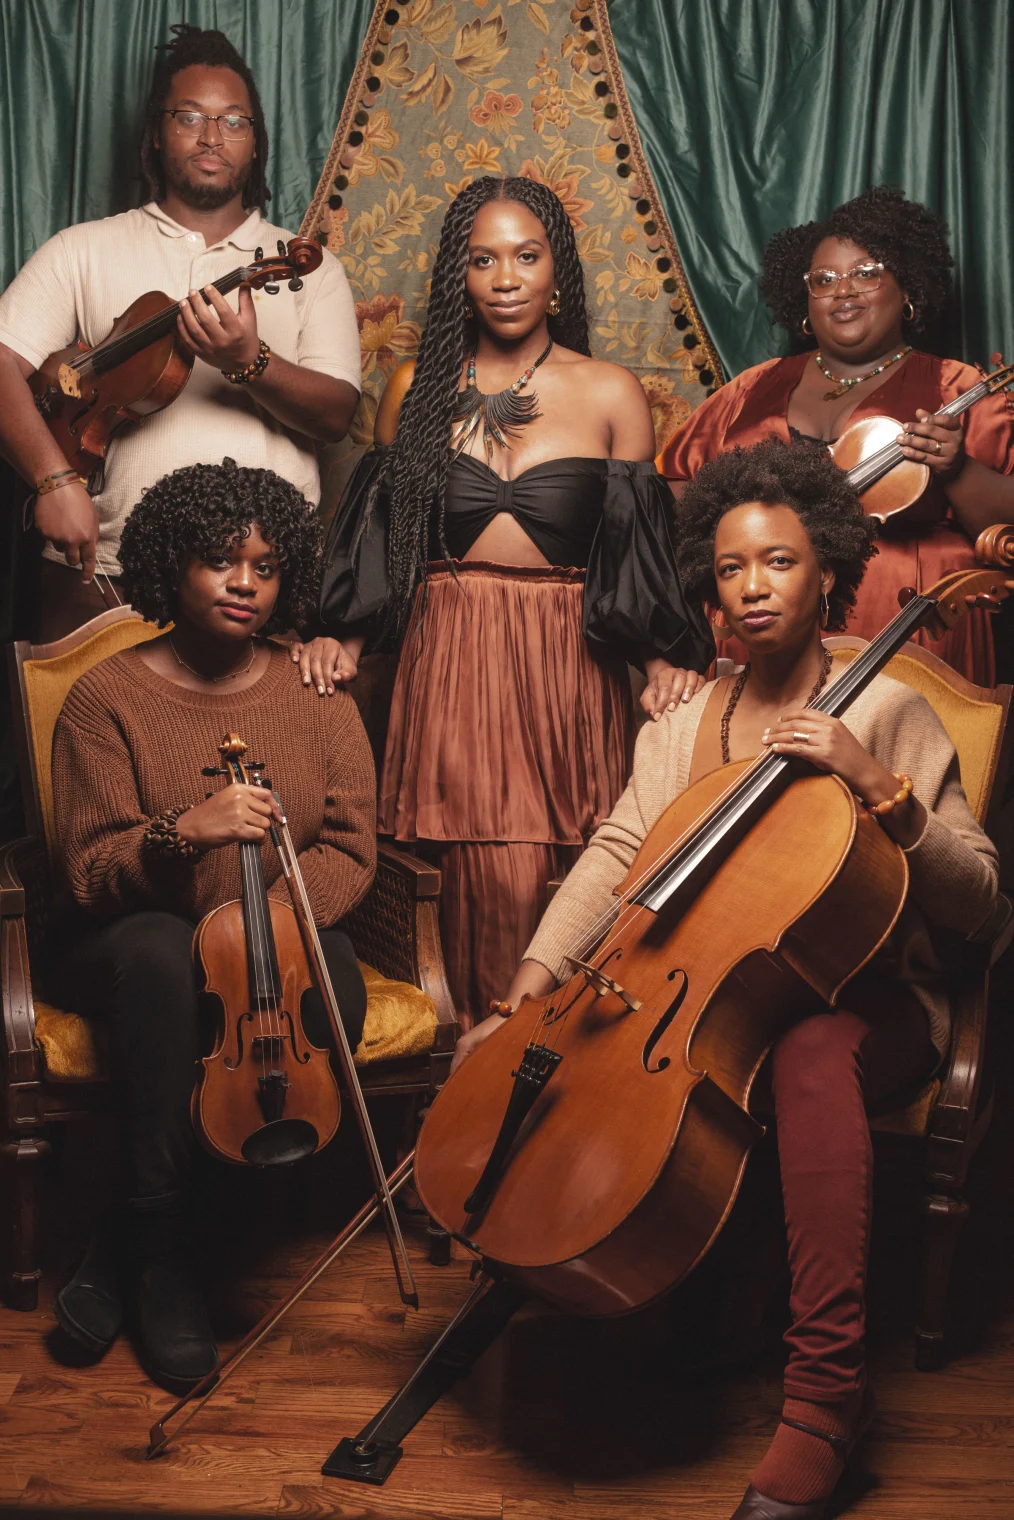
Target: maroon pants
824,1074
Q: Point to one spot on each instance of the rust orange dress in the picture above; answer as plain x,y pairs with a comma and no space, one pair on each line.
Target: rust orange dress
511,728
919,546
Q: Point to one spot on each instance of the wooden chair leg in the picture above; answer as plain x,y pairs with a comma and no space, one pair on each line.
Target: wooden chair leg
945,1216
22,1161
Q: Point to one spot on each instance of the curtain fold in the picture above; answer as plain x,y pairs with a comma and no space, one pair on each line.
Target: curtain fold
760,114
74,75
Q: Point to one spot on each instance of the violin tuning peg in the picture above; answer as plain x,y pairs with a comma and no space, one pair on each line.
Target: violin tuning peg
295,284
281,248
214,770
272,290
258,254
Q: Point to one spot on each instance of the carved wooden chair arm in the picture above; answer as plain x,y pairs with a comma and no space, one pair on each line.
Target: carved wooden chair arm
396,930
20,862
959,1113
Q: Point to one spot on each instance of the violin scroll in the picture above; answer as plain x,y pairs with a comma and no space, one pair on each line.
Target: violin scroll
302,256
995,545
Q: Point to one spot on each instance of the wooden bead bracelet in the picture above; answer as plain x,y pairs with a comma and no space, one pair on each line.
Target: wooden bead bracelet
503,1009
161,836
878,809
253,369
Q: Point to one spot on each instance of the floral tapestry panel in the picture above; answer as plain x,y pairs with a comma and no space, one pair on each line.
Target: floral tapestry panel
446,90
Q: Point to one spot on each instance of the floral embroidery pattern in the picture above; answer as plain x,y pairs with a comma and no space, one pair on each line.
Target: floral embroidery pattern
446,90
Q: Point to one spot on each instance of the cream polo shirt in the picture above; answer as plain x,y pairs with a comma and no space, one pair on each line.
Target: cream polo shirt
81,280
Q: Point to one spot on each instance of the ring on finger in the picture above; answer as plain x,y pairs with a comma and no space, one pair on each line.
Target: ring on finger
799,738
937,441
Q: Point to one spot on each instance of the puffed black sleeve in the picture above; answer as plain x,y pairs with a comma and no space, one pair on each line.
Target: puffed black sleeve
633,602
354,585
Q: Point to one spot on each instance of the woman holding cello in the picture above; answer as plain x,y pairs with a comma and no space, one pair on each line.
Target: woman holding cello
149,848
775,539
854,292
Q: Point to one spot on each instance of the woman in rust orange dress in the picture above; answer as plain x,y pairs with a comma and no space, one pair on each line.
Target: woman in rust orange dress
858,288
510,534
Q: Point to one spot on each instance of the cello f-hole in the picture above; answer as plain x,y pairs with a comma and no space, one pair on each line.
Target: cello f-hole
663,1024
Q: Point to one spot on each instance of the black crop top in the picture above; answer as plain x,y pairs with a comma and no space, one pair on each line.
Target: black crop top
608,517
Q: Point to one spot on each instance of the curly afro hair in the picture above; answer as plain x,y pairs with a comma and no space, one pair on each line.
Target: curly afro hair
205,507
801,476
908,238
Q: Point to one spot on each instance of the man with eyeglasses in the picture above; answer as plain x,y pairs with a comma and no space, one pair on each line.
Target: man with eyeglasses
274,375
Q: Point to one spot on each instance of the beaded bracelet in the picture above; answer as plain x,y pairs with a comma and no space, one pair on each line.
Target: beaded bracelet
878,809
253,369
503,1009
161,836
54,482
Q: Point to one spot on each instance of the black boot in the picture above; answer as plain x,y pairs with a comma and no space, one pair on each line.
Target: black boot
90,1307
176,1343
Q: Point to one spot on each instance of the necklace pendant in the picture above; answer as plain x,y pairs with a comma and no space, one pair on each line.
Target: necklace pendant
839,390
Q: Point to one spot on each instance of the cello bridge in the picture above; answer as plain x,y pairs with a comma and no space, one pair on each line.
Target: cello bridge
601,984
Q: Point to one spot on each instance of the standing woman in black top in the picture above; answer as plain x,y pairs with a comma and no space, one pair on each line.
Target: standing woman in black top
511,533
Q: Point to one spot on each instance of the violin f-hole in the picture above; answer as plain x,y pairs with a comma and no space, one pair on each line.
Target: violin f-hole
679,978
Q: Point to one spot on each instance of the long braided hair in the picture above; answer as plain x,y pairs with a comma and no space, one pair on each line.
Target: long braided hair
212,50
420,452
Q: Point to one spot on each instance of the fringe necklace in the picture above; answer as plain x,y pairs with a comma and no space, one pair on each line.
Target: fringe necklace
500,416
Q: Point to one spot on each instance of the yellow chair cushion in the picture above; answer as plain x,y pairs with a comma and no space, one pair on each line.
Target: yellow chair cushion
400,1021
47,683
913,1120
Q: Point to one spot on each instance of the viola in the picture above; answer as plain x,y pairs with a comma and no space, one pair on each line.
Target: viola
873,462
86,394
592,1147
265,1095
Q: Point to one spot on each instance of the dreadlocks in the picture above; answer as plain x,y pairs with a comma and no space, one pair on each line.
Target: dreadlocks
421,449
212,50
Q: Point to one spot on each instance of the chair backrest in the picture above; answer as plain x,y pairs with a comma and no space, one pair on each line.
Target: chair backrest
975,717
41,676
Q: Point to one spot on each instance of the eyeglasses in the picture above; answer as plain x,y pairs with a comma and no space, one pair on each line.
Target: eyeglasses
824,283
191,123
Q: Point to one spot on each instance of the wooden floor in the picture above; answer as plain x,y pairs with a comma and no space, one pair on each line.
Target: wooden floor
562,1420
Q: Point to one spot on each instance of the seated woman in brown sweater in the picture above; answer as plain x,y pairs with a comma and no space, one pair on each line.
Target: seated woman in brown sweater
225,555
775,539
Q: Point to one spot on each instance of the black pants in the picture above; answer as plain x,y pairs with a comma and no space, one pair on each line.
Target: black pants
136,976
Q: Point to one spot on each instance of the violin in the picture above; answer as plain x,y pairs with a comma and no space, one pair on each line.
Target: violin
873,462
593,1146
86,394
265,1095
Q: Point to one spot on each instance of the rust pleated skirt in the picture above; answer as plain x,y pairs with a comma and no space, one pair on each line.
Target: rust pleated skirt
507,746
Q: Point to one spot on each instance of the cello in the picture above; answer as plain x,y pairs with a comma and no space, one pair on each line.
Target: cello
85,395
592,1148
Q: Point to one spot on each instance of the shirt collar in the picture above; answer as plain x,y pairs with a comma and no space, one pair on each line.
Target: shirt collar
251,234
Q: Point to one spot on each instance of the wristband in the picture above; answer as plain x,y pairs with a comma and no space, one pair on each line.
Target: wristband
54,482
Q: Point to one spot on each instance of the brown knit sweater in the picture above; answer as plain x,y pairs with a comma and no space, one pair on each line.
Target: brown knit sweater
129,744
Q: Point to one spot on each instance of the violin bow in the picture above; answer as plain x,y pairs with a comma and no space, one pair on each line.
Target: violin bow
282,840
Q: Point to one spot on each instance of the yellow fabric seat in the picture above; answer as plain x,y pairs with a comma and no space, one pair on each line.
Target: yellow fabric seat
400,1021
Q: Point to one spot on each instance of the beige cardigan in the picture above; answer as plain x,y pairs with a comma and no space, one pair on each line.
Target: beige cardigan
952,868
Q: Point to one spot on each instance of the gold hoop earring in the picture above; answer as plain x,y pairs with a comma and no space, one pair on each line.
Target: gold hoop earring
807,329
553,309
825,610
909,315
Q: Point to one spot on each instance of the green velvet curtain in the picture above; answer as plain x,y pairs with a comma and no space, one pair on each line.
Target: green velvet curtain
74,75
760,114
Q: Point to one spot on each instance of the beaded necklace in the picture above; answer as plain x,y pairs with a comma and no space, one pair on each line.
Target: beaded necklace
737,692
501,415
843,385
